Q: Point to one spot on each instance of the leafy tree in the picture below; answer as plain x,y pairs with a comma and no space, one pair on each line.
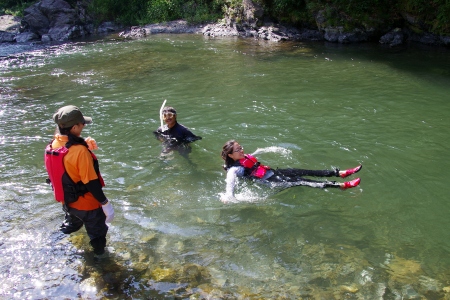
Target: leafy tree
14,7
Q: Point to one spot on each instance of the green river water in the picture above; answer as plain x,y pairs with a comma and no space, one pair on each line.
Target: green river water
314,105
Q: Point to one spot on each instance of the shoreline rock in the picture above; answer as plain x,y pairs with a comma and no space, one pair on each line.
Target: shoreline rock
174,27
51,20
56,21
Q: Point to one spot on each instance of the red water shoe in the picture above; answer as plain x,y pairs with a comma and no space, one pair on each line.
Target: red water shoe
350,171
351,184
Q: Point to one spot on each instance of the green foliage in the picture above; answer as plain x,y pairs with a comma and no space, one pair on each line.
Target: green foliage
233,3
163,10
432,15
357,13
435,14
442,22
125,12
202,11
14,7
291,11
140,12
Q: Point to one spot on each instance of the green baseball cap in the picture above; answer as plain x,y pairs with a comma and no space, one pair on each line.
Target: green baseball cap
70,115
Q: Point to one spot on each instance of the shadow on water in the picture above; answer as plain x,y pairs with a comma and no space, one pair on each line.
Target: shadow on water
427,59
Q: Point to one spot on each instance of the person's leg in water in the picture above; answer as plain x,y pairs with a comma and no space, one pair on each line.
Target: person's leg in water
96,228
293,177
71,223
319,173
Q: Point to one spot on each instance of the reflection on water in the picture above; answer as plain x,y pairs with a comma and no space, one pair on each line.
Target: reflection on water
314,106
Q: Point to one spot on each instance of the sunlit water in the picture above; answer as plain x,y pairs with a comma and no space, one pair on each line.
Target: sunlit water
316,106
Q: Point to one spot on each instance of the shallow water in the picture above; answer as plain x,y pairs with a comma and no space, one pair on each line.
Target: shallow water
316,105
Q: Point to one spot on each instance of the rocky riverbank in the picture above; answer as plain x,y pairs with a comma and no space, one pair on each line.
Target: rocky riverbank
275,33
51,20
56,20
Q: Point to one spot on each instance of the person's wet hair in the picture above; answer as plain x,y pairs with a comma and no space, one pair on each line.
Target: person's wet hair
72,138
167,109
228,149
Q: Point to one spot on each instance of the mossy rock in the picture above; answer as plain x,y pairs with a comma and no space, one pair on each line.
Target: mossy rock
194,274
168,275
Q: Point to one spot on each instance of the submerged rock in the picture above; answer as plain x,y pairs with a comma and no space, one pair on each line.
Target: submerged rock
159,274
349,288
194,274
404,271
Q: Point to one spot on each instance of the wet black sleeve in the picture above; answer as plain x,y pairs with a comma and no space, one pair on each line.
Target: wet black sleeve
161,134
186,136
95,187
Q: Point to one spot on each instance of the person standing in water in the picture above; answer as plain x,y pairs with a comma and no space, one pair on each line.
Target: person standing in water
75,178
239,164
174,135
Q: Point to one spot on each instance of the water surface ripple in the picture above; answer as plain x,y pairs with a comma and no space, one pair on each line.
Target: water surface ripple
316,105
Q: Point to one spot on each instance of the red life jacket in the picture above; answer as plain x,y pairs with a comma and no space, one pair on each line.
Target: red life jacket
256,169
64,188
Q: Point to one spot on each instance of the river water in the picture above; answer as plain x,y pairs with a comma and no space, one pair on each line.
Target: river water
310,105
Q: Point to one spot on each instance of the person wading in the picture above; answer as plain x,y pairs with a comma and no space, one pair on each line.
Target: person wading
75,178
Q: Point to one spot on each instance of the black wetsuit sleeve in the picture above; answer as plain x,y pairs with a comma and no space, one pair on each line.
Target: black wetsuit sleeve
157,132
190,137
95,187
185,135
160,134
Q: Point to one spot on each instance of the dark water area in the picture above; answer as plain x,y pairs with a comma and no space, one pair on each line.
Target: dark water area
308,105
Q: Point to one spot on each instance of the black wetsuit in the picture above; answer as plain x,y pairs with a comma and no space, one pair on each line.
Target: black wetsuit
280,178
294,177
176,138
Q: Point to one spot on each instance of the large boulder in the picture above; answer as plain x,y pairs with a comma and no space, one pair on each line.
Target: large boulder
252,13
24,37
445,40
241,19
53,20
35,21
177,26
60,13
417,30
338,34
6,37
393,38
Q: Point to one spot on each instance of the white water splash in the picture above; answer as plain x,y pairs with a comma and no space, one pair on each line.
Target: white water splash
274,149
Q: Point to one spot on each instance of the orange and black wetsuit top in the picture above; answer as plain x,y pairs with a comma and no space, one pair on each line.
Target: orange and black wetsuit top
82,182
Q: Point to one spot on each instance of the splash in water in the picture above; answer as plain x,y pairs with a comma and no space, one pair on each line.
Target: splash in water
274,149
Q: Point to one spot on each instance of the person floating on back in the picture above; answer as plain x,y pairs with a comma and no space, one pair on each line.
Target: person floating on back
239,164
174,135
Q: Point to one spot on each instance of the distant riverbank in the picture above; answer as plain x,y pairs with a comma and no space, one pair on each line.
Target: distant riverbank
10,33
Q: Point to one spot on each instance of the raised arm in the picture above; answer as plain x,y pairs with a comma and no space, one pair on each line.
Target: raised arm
232,175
